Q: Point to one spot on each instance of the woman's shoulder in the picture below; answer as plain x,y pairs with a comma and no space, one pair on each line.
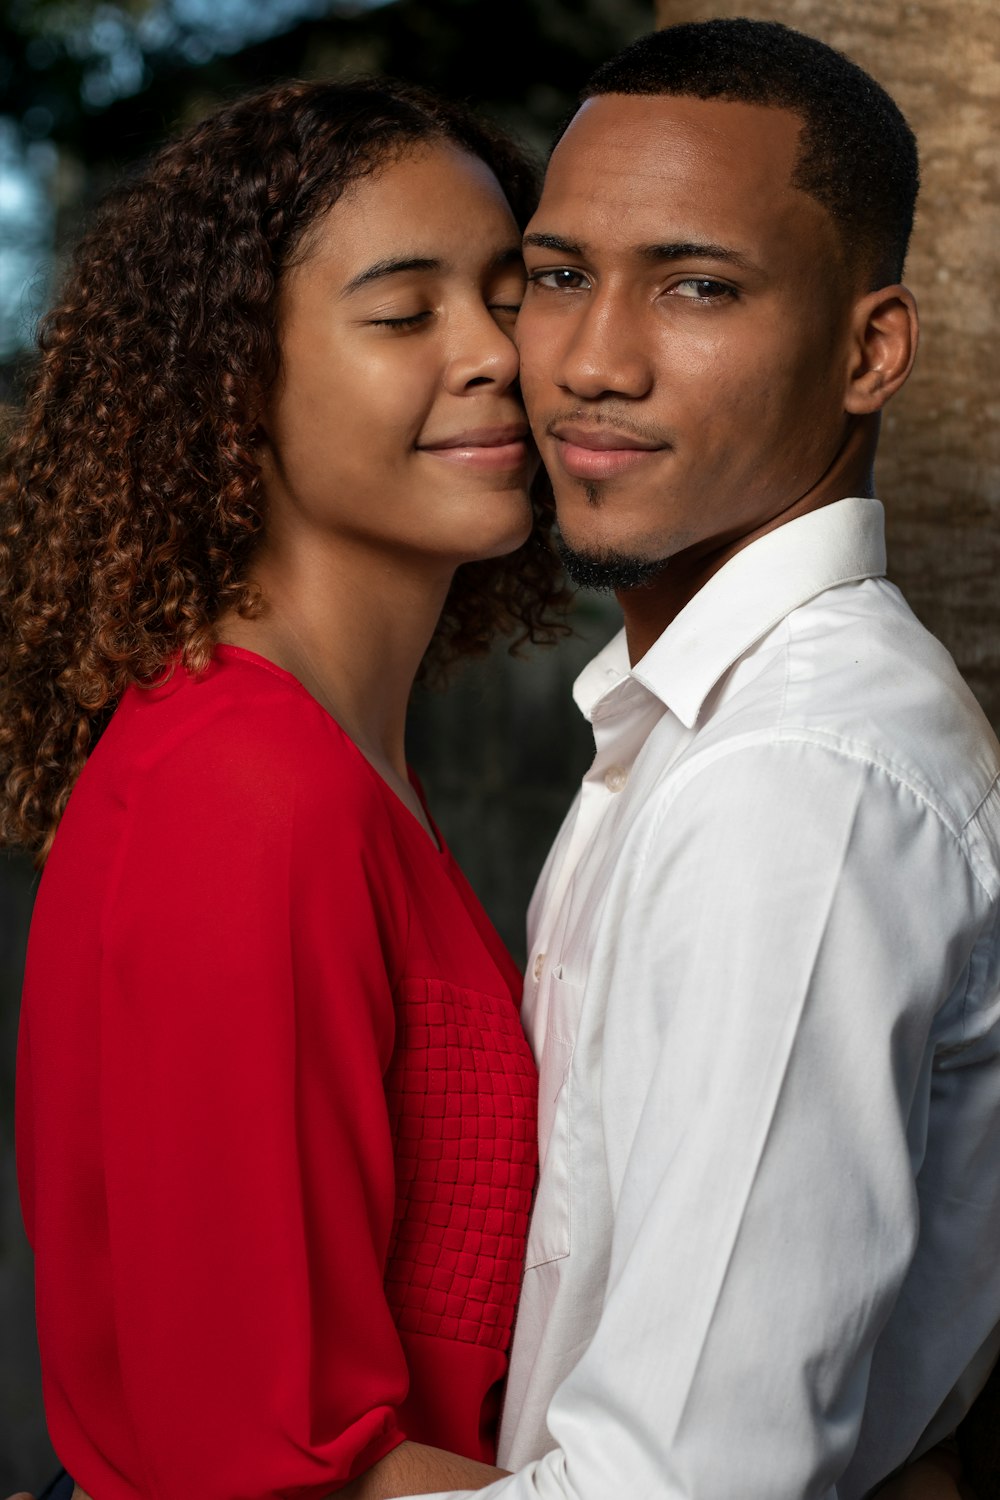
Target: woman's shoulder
243,733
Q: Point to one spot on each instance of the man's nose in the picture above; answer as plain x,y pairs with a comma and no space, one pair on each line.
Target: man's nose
606,353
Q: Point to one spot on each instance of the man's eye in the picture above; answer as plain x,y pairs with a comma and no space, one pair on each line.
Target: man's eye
561,279
702,289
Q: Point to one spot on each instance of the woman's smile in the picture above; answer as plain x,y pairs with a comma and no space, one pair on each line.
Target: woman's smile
488,448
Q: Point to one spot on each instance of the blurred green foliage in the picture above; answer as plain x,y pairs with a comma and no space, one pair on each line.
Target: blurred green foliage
522,60
88,87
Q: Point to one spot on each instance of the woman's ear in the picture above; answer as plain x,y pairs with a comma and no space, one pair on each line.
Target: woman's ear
884,334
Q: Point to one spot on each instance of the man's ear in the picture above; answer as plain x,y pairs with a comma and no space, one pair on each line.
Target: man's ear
884,332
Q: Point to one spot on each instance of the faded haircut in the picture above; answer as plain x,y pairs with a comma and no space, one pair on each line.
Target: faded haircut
857,154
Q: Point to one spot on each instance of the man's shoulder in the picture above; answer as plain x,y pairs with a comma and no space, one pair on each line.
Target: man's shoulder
855,675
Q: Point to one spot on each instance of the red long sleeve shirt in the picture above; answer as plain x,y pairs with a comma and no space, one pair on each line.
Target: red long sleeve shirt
275,1111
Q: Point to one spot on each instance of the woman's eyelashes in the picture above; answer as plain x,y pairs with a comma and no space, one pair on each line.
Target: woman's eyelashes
503,312
404,320
503,309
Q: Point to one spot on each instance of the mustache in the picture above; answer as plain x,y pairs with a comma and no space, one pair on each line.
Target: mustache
625,423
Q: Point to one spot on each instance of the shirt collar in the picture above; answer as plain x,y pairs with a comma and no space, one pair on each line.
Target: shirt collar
840,543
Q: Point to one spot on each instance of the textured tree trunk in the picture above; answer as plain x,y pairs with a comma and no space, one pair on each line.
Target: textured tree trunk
939,466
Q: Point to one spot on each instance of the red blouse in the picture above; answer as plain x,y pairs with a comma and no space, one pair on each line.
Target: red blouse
275,1111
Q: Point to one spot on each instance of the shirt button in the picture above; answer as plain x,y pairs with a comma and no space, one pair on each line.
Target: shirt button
615,778
538,965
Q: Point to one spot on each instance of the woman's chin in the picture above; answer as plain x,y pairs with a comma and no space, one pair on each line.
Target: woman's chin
502,544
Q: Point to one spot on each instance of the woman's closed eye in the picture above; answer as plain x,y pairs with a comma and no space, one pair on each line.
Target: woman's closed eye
405,320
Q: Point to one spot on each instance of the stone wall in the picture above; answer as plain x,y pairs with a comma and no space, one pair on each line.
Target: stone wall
939,468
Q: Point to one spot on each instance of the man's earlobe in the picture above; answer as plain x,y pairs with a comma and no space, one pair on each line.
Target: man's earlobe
884,343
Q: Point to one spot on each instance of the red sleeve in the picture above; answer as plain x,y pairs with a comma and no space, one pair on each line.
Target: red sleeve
247,1021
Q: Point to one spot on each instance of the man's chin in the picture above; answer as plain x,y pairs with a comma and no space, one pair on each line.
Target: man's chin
606,571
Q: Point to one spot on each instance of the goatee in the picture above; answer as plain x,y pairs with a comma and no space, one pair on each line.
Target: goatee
608,571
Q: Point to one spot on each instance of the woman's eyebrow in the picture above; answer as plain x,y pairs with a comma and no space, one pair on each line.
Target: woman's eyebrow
391,267
512,256
509,256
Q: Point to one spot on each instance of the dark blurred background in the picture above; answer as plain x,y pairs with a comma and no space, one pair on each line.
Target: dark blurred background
87,88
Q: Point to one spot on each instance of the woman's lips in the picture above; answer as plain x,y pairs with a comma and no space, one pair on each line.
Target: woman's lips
487,448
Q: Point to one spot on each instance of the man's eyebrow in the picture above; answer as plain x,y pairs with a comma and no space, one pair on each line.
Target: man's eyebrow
697,250
672,250
553,242
391,267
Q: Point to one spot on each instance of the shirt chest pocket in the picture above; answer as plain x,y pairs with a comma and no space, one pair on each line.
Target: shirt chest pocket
551,1219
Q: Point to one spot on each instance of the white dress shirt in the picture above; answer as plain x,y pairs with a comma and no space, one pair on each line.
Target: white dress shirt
764,992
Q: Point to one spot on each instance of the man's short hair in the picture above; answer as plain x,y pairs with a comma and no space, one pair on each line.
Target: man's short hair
857,157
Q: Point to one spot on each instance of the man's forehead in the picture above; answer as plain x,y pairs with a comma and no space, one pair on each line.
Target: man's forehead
641,169
628,145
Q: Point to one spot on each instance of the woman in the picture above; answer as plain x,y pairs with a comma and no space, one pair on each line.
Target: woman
275,1109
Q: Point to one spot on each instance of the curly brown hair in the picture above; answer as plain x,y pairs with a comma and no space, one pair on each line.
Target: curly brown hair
131,500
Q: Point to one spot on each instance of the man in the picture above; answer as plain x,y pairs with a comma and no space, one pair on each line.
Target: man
764,971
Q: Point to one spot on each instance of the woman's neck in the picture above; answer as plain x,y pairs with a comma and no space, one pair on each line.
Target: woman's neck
352,626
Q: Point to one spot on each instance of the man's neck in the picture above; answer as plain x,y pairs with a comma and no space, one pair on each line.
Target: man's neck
651,608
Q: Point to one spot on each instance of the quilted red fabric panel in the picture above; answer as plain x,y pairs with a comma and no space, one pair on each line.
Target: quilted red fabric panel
462,1091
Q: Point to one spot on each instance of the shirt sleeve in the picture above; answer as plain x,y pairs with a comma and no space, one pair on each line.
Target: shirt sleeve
246,1023
784,944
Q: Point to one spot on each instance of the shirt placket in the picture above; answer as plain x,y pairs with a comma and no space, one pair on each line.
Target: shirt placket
622,720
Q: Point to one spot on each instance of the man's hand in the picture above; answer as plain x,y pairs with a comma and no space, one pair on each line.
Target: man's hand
413,1469
78,1494
416,1469
935,1476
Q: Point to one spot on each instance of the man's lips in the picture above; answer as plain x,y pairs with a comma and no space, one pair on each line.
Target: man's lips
491,448
601,452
